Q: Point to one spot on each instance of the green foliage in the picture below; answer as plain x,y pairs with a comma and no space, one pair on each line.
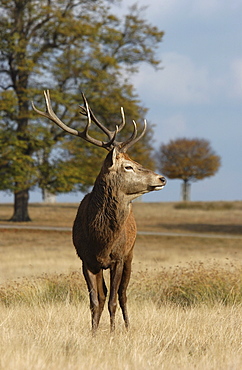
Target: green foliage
15,162
67,46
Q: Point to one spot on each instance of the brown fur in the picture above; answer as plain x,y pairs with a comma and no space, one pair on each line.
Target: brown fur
104,232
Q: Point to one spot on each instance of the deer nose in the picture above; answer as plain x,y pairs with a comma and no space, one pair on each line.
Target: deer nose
163,180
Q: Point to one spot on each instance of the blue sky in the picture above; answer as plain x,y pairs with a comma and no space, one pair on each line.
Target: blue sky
198,91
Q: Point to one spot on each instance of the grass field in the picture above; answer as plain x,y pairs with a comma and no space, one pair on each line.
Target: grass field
184,298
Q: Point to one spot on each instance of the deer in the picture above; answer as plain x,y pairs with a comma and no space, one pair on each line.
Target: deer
104,230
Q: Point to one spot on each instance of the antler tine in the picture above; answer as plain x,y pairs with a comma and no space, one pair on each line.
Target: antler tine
84,134
133,139
89,121
121,126
108,132
125,144
52,116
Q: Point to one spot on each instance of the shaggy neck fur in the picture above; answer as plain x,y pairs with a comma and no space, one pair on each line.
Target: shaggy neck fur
108,207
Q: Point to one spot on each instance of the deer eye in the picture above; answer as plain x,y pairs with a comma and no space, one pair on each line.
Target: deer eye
128,168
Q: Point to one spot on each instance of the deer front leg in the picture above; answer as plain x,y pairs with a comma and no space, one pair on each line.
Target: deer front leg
115,278
91,281
123,288
102,292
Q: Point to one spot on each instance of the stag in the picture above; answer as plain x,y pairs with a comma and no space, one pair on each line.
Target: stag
104,229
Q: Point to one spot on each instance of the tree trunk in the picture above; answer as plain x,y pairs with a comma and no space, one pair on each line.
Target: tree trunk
48,197
186,191
21,199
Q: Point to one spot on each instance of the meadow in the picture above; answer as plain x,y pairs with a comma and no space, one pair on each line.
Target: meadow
184,297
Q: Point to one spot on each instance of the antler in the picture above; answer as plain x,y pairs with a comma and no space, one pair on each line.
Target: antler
133,139
123,146
84,134
98,123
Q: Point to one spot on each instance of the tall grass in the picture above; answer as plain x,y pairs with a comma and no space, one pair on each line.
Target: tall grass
187,286
55,334
193,285
43,290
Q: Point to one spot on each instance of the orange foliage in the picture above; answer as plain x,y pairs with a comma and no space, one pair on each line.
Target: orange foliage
188,159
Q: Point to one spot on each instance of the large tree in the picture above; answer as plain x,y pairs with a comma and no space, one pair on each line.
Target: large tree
67,46
188,160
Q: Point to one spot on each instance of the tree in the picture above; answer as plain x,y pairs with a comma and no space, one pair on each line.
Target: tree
67,46
188,160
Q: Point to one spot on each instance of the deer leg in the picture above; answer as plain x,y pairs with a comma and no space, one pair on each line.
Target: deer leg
123,288
102,292
91,281
115,278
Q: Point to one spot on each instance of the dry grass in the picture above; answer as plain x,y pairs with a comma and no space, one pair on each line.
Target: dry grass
41,214
218,217
184,297
210,217
194,284
26,253
56,336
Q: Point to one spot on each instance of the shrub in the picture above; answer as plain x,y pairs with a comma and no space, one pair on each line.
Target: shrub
192,285
44,289
206,206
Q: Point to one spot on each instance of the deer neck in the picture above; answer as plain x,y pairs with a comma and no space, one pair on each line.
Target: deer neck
110,204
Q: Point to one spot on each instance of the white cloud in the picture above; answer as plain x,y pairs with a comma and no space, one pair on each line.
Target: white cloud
179,82
182,81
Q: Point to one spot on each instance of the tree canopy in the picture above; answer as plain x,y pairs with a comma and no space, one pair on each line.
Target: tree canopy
188,160
66,46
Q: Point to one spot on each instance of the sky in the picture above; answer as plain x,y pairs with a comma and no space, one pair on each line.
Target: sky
196,93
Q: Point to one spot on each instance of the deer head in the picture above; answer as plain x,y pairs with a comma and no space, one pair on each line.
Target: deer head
130,178
127,175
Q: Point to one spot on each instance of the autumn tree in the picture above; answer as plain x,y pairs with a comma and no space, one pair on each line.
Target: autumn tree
189,160
67,46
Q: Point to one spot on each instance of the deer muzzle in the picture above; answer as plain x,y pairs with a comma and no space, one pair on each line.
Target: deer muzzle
161,182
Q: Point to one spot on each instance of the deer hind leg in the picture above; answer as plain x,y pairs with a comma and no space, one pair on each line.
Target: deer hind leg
115,278
91,280
123,288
